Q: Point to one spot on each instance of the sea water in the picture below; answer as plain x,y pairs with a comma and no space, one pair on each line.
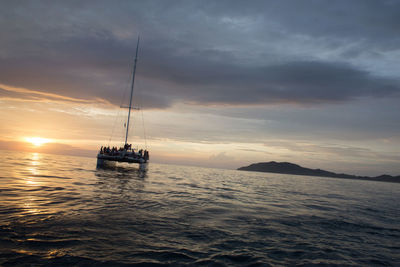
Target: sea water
61,210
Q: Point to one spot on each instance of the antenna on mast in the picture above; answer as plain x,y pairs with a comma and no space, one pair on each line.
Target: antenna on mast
130,99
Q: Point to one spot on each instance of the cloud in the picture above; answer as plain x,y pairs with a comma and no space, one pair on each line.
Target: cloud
339,151
224,53
307,82
24,94
221,157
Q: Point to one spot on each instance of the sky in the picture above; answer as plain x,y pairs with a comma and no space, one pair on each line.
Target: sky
219,83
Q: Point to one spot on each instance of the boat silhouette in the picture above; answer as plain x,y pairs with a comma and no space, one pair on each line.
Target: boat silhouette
126,153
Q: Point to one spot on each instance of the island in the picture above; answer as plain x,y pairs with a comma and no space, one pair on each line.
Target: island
294,169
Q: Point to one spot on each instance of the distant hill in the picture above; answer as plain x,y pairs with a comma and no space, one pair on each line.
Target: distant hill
290,168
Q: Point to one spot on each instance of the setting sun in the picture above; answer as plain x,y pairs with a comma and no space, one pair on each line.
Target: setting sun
37,141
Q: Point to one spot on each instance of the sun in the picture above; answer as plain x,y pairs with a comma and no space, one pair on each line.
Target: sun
37,141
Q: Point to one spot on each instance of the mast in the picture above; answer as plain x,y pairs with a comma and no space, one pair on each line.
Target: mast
130,99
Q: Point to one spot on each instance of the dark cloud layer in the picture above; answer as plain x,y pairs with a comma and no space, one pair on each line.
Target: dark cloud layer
304,82
203,52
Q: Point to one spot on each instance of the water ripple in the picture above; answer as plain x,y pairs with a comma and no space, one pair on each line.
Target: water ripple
65,212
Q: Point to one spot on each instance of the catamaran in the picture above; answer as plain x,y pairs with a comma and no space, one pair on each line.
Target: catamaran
125,153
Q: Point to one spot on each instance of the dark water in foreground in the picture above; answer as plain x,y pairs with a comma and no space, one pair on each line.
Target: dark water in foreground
60,210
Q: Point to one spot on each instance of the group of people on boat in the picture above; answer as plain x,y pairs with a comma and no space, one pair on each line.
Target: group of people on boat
126,150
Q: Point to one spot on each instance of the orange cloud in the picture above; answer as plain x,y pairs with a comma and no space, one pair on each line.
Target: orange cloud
24,94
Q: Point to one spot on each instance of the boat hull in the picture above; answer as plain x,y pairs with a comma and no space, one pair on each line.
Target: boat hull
109,159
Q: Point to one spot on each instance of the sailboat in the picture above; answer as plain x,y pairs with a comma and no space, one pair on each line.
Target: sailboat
125,153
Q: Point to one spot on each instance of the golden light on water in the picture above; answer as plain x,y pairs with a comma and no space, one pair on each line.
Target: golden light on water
37,141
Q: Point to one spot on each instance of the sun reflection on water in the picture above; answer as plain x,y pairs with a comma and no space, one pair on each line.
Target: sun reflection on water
32,179
35,158
33,170
28,206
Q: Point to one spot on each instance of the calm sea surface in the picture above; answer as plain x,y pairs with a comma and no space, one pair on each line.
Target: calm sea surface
60,210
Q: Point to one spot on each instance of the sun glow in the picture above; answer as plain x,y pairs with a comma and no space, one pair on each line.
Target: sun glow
37,141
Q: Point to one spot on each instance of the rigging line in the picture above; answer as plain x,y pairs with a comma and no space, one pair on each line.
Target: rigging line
140,98
117,116
140,105
120,104
144,130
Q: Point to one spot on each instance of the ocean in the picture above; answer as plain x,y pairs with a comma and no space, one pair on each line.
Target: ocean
61,210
